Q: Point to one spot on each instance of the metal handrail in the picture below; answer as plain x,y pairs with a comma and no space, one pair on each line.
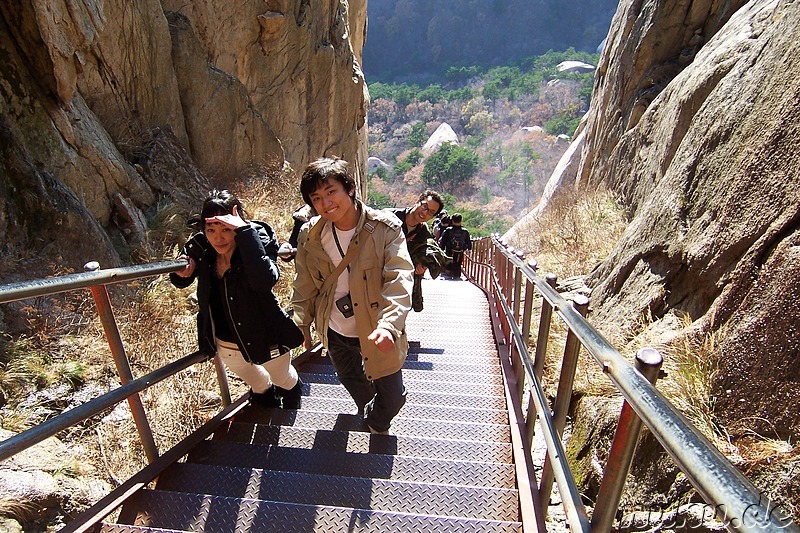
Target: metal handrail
575,510
736,501
85,280
96,280
494,267
34,435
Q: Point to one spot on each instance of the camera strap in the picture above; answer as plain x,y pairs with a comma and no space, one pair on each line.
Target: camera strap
352,251
338,245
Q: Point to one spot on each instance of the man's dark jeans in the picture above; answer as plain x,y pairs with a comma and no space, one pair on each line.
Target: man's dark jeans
416,293
379,400
455,266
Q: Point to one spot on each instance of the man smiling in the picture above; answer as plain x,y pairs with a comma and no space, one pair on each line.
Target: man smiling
425,253
359,311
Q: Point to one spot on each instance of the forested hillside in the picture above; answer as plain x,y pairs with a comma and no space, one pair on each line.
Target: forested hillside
508,127
411,39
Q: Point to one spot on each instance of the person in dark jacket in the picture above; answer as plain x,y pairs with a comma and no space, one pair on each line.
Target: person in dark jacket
455,241
425,253
239,318
288,250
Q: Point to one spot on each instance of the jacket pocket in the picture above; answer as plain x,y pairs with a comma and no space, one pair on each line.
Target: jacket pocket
373,284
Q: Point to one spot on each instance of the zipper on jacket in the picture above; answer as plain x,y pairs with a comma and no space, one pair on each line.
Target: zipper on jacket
233,322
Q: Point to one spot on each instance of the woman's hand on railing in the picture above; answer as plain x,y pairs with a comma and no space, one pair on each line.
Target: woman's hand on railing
188,270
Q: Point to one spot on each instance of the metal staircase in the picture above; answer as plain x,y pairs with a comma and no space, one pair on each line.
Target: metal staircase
459,456
445,466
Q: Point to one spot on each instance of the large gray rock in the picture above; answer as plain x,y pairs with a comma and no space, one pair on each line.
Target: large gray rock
301,65
226,132
443,134
694,124
699,137
37,476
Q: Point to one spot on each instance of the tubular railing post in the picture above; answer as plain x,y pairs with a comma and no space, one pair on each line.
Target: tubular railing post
502,261
544,330
563,397
620,457
527,310
222,380
517,289
509,277
527,313
106,313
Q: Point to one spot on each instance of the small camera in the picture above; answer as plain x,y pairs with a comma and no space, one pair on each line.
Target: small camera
345,305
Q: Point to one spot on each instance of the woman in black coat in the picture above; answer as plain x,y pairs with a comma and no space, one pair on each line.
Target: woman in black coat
239,318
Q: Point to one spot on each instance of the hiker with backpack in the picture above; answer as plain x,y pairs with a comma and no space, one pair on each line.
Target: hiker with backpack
444,223
425,252
455,241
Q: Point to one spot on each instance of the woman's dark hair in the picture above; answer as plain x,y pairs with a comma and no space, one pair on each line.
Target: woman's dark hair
316,174
219,202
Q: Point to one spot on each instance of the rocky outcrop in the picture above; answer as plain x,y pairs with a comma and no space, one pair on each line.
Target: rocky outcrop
694,123
92,91
700,141
443,134
301,65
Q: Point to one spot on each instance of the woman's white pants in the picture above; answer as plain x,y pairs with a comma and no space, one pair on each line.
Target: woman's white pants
278,370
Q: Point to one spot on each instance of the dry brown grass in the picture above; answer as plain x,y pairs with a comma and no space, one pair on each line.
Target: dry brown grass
65,344
273,198
691,363
20,511
577,230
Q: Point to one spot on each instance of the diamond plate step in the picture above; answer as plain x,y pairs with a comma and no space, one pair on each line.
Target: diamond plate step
414,410
127,528
415,395
477,357
488,382
355,442
401,425
339,491
195,512
455,375
398,468
466,367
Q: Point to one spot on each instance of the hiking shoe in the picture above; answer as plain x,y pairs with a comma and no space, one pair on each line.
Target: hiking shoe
267,399
292,398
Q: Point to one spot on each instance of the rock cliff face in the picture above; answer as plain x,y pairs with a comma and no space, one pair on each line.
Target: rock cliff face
695,124
107,106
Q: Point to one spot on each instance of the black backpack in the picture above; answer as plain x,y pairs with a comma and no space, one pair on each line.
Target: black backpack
458,240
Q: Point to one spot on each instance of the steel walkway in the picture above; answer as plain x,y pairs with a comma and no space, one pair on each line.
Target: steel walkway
446,465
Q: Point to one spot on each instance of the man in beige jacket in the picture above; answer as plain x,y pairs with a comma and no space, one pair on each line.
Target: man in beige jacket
360,317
